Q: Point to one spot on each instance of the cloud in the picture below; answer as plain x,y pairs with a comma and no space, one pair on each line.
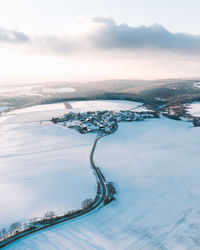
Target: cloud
12,36
104,34
109,35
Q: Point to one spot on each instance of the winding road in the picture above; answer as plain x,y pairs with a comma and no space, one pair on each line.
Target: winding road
102,194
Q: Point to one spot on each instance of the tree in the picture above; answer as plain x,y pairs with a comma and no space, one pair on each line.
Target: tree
196,122
4,233
86,203
15,227
50,215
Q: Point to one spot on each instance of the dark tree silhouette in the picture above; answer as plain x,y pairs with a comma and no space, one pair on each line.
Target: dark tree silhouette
86,203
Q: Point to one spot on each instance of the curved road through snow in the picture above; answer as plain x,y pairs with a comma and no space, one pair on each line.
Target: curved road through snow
99,201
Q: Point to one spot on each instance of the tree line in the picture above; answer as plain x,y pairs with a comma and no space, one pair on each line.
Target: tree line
49,218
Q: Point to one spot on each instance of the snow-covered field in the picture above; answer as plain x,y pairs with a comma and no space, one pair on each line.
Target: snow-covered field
4,106
42,166
58,90
155,167
194,109
83,106
47,111
35,90
34,113
196,84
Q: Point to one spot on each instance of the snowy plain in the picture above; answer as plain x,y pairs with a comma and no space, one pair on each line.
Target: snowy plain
83,106
33,114
33,90
43,166
155,167
47,111
196,84
194,109
3,108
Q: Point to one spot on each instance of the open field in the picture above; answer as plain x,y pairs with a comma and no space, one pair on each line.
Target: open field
194,109
154,165
43,166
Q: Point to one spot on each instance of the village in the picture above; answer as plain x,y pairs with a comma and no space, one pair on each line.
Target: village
101,121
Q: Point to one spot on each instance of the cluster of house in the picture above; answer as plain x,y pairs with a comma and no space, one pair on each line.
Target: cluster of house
174,110
101,121
178,111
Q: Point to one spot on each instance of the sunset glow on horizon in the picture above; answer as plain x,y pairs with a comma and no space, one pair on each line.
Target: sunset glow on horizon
96,42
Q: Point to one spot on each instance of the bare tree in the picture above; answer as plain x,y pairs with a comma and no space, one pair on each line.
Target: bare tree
50,215
4,233
86,203
196,122
25,225
15,227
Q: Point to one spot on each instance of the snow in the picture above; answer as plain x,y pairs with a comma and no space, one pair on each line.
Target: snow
33,90
41,108
160,99
155,167
58,90
47,111
196,84
19,90
194,109
3,108
35,113
43,166
111,105
140,109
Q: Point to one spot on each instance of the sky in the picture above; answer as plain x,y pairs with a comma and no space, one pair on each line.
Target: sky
44,40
